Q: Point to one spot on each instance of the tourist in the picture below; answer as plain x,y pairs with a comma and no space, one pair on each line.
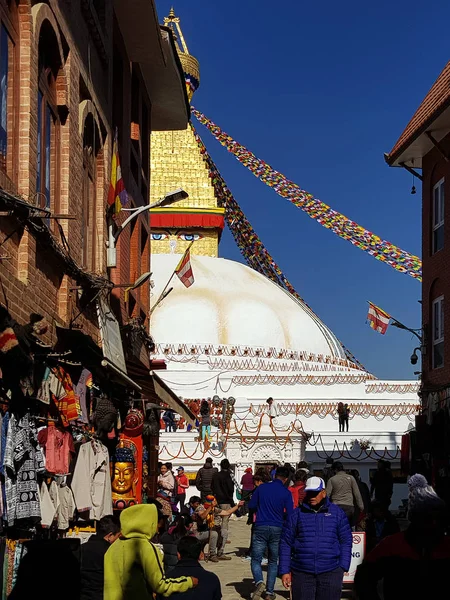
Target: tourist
247,487
189,552
261,476
273,409
169,421
182,485
346,416
163,499
415,563
303,466
205,416
93,556
316,547
341,416
298,489
380,523
188,510
361,516
203,480
343,490
169,540
133,566
212,515
290,479
166,480
223,491
328,470
273,471
273,505
382,485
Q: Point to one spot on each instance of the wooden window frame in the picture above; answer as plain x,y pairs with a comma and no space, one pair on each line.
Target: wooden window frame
89,220
9,21
438,215
49,101
437,316
136,146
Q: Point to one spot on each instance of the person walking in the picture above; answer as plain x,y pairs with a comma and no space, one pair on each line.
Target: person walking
380,524
315,547
273,504
223,491
93,558
361,516
343,490
205,416
298,489
273,409
382,485
328,470
182,485
346,416
203,480
189,551
414,563
247,487
133,565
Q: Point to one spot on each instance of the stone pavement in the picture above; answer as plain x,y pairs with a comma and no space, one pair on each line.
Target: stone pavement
235,575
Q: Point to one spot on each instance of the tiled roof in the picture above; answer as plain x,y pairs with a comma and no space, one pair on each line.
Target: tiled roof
434,102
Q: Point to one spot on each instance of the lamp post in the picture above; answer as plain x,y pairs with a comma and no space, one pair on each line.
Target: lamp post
167,200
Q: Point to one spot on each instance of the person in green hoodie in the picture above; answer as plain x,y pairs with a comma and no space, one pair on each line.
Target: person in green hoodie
133,565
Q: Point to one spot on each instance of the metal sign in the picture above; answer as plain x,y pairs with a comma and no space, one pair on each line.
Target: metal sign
110,335
358,553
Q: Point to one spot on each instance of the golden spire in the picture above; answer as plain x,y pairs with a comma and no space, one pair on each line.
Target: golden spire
190,63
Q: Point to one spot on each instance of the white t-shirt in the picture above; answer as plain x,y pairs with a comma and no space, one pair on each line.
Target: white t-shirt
273,411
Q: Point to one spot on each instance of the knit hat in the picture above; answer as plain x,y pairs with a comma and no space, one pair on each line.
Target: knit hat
249,470
210,518
422,498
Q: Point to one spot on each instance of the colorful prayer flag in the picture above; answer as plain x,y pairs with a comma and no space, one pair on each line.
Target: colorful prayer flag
117,194
184,269
378,318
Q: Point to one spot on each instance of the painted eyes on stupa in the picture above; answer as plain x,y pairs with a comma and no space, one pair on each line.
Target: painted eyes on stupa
190,237
157,237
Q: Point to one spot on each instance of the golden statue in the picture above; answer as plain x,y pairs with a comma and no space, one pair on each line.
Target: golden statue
124,477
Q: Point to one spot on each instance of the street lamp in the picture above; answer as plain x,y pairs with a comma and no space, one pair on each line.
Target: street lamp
167,200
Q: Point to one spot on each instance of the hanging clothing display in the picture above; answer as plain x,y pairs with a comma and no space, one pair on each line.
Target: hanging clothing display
66,507
81,391
22,462
91,483
59,449
66,400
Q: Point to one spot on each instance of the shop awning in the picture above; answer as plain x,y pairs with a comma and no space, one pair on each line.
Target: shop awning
168,396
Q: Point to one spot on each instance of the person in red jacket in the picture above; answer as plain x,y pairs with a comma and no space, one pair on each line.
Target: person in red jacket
298,489
415,563
182,485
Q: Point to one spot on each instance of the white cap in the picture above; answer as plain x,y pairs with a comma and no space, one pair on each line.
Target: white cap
315,484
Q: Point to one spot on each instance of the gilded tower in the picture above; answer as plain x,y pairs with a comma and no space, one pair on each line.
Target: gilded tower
176,162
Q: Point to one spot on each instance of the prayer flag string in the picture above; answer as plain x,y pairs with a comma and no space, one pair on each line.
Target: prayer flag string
345,228
247,240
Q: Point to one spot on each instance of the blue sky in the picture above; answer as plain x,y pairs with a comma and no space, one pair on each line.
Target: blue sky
321,91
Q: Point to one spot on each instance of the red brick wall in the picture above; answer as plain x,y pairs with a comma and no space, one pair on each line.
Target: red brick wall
436,267
32,280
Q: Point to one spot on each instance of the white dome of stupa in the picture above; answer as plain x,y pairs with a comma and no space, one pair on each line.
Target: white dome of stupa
232,305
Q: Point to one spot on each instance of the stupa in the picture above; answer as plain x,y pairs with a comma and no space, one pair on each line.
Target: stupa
236,335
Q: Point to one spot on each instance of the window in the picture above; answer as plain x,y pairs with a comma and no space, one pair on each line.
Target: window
438,333
47,141
91,151
6,98
140,136
438,216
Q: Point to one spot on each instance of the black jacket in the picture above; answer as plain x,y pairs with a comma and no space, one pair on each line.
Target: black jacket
203,481
208,583
92,568
170,550
223,488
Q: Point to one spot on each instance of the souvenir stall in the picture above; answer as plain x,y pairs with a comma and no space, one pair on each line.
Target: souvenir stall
71,444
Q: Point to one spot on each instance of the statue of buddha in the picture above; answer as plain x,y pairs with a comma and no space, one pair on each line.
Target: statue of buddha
124,477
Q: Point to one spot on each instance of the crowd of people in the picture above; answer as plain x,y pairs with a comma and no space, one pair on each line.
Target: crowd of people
301,529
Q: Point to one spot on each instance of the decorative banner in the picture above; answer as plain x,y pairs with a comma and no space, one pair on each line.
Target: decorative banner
248,242
342,226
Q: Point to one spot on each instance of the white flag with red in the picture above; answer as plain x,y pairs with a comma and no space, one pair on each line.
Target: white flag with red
184,270
378,318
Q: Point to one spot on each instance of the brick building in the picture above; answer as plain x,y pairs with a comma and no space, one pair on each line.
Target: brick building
72,73
424,149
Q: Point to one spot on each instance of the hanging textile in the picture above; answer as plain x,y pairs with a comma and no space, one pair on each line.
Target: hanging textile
23,460
340,225
91,483
59,449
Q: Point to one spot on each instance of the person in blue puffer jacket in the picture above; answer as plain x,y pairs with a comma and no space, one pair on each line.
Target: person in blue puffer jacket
316,546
